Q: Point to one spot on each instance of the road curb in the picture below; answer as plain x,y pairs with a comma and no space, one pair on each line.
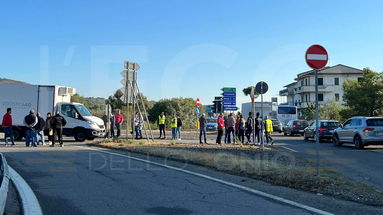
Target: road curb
29,202
4,183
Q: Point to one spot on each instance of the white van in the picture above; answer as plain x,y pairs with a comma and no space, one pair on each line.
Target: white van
49,99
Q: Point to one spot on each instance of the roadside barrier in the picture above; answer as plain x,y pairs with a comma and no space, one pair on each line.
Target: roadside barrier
4,183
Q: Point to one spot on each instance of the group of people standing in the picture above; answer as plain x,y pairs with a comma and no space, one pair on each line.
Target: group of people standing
36,128
237,128
175,125
114,121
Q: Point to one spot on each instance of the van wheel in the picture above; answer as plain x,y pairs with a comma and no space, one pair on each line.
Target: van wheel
358,142
90,138
336,141
80,136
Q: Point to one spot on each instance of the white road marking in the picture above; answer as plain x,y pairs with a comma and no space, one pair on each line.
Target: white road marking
247,189
30,204
316,57
288,149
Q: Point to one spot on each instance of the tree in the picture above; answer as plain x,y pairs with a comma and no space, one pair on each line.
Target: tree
115,101
182,107
309,112
331,110
247,92
365,97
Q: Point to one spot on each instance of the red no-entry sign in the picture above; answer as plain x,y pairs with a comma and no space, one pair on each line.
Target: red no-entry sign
197,102
316,57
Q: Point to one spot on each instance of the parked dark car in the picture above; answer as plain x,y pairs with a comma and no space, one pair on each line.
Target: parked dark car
277,126
295,127
326,130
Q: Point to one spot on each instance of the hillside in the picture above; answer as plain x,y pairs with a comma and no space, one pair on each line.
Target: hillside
9,81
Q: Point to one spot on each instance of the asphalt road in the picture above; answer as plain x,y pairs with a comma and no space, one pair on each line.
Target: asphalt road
74,180
361,165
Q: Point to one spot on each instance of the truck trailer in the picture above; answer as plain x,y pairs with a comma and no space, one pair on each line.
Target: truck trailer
49,99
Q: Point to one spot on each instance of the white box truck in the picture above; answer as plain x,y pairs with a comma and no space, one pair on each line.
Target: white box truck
49,99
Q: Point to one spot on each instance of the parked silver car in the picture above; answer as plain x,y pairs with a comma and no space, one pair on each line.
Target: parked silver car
361,131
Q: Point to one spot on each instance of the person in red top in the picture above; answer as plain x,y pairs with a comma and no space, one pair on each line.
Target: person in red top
221,127
7,126
119,119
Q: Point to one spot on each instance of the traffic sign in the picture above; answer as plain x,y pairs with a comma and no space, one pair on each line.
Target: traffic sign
261,87
228,93
228,89
131,66
316,57
126,73
197,102
229,98
229,103
230,108
197,110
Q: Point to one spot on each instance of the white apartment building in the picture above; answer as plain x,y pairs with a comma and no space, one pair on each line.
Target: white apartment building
330,83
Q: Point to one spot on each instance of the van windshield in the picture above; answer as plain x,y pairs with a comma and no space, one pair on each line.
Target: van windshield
375,122
83,111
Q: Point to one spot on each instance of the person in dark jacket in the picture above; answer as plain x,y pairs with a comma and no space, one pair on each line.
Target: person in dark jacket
241,128
58,123
48,128
257,127
179,127
30,121
112,125
249,127
39,128
202,129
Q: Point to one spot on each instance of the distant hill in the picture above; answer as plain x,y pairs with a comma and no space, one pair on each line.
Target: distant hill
9,81
93,100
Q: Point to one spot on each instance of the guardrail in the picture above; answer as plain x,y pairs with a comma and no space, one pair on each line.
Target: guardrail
4,182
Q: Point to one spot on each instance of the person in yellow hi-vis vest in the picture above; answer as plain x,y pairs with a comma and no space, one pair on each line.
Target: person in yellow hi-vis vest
161,124
173,125
268,130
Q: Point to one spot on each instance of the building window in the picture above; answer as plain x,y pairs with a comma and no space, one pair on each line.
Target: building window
306,82
336,81
320,81
337,97
306,98
301,83
320,97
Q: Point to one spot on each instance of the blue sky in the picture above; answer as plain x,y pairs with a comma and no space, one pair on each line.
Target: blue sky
185,48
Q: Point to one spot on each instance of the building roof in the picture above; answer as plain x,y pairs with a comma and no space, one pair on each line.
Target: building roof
337,69
290,84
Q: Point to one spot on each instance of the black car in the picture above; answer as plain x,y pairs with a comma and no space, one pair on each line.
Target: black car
326,130
277,126
295,127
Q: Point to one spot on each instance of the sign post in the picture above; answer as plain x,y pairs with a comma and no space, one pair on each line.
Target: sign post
316,58
252,95
262,88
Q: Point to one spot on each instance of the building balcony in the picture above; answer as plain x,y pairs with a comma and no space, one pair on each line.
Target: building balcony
311,89
286,92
